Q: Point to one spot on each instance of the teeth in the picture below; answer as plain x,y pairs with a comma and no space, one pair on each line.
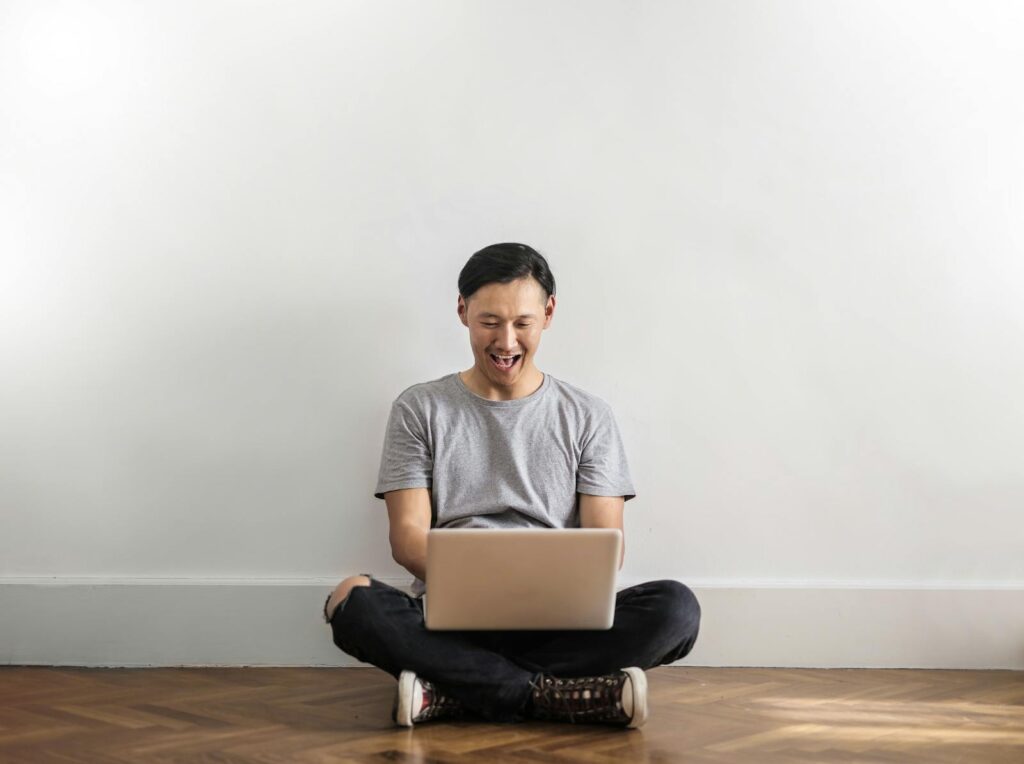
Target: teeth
505,361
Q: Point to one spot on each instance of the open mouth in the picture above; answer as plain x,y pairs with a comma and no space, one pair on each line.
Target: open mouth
505,364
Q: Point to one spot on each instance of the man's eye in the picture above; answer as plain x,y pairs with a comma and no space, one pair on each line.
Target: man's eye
521,326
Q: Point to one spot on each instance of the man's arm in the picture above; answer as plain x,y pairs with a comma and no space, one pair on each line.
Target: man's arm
603,512
409,518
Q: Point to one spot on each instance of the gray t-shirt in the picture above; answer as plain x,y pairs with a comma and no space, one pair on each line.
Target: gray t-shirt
502,464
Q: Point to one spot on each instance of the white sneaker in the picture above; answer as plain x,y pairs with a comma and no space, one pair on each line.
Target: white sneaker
417,700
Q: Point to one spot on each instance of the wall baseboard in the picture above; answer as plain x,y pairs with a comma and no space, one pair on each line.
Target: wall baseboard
218,622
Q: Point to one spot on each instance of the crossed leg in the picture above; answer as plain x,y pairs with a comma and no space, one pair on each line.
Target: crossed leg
381,625
656,622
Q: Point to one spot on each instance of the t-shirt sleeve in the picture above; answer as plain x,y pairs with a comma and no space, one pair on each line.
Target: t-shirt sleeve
603,469
406,460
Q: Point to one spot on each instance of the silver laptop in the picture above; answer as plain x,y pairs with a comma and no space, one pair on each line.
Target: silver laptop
544,578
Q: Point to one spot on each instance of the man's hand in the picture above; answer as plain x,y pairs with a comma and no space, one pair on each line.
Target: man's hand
603,512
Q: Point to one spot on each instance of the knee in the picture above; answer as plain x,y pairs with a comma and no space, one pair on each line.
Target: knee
341,592
680,622
680,606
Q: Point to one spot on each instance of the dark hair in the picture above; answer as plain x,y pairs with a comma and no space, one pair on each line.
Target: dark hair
503,263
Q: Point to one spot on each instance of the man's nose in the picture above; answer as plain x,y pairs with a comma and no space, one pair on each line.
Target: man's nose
508,339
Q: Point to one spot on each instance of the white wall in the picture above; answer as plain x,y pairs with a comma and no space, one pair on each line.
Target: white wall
787,238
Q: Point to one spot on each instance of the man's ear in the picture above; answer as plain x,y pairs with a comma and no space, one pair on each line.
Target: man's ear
462,309
549,311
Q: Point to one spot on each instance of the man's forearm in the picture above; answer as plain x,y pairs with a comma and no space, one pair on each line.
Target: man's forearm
410,551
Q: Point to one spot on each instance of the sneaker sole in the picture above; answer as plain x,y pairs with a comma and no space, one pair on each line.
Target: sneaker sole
639,681
403,713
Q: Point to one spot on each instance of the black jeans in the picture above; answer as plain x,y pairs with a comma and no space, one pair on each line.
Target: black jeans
490,672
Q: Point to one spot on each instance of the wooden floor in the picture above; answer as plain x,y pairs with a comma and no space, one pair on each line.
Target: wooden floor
230,715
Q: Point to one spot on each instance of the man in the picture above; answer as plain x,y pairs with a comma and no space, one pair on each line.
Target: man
503,445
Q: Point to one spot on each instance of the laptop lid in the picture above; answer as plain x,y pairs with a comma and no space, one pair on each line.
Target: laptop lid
514,579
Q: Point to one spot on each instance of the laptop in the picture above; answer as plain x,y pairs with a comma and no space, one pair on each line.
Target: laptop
516,579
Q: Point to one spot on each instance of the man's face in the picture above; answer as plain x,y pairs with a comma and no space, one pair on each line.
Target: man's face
505,320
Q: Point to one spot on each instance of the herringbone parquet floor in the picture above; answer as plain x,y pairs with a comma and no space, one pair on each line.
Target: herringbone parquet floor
230,715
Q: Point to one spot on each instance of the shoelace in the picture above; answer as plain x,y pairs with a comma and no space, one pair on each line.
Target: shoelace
588,698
